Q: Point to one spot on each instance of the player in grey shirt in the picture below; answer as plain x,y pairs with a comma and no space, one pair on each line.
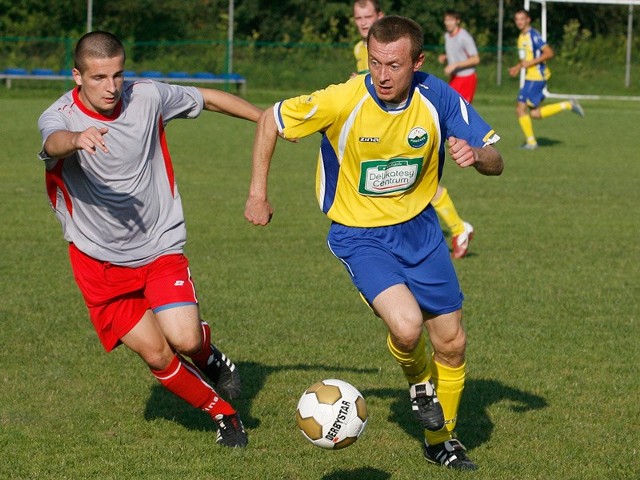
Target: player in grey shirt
461,56
110,180
124,206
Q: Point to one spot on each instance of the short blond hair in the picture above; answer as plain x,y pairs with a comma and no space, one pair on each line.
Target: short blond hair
363,4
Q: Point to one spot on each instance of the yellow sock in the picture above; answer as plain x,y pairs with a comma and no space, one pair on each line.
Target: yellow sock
449,383
415,365
446,210
554,108
527,128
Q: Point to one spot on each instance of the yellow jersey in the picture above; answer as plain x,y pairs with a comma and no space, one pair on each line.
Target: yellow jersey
530,46
378,164
362,57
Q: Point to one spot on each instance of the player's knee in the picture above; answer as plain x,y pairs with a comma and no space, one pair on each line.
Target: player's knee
189,343
406,339
452,348
457,346
157,359
405,344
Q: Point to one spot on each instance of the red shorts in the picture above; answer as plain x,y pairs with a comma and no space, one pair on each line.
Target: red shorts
465,86
118,297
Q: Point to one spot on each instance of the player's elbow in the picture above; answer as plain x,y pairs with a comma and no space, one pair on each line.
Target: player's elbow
266,116
498,166
490,162
267,122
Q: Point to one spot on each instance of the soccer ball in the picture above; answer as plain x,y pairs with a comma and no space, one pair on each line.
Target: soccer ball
331,414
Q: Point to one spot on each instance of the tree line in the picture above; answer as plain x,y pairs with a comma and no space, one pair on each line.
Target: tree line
284,20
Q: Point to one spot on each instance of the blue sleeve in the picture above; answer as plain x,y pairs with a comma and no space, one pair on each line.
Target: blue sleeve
457,117
463,121
537,41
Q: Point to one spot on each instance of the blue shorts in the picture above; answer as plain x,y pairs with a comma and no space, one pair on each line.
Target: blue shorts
413,253
532,92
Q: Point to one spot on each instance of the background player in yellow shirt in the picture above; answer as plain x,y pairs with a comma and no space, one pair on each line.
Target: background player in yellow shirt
365,13
382,152
533,52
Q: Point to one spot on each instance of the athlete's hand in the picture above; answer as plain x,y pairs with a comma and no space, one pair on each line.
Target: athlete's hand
258,211
292,140
515,70
461,152
91,139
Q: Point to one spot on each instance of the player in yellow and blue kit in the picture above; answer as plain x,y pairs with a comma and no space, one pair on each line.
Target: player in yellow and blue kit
533,52
384,137
365,13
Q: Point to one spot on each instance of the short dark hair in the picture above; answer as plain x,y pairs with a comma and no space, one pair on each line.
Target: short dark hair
452,13
393,27
522,10
363,3
97,44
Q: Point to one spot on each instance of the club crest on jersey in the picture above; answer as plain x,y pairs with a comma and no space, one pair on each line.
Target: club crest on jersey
417,137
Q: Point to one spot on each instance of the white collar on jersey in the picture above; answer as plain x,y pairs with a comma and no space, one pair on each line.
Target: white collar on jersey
395,106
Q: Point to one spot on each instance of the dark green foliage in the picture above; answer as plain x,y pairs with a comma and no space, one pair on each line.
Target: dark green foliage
286,20
299,46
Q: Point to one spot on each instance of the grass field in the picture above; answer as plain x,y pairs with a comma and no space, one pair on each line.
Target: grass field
552,286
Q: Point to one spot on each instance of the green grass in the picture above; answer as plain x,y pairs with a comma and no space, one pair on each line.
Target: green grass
551,309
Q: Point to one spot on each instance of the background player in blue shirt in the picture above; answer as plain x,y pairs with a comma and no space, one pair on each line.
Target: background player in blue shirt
382,152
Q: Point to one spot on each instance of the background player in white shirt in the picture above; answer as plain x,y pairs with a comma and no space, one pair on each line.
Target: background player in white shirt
460,57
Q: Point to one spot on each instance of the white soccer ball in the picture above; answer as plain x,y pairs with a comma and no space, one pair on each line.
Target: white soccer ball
331,414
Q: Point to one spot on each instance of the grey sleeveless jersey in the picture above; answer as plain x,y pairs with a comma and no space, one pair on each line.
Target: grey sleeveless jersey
121,207
459,47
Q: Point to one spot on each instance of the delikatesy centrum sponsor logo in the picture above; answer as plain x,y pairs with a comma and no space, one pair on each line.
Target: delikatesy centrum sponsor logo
382,177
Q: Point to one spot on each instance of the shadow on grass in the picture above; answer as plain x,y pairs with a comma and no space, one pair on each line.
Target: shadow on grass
543,142
358,474
548,142
474,426
163,404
